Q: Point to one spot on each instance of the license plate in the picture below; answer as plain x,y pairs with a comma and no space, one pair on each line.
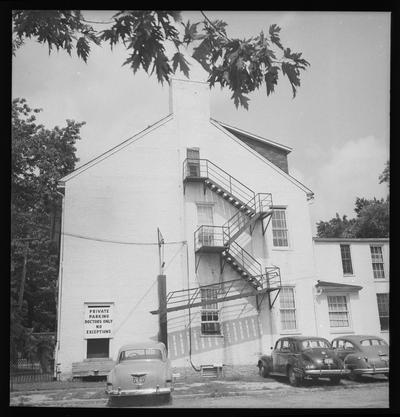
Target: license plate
138,379
328,360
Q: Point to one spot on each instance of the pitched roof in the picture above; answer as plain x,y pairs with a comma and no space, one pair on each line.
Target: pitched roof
252,136
115,149
219,126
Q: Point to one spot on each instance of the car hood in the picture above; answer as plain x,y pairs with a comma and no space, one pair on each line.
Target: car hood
155,372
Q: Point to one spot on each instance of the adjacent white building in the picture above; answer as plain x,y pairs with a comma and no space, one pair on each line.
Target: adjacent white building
236,248
353,293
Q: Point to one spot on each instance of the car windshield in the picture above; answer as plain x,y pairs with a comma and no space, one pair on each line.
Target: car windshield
373,342
138,354
314,343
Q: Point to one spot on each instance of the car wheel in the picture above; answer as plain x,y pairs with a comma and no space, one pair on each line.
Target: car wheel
294,379
166,398
335,380
262,370
354,377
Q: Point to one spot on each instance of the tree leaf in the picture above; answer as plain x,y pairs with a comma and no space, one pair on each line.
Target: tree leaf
179,59
271,79
239,98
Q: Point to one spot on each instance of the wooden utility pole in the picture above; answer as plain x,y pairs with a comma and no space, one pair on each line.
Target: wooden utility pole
162,310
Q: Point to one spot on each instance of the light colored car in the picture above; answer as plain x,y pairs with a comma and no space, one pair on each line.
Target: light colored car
363,355
141,369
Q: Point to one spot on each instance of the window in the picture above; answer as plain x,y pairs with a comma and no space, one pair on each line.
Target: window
205,217
193,163
140,354
279,228
338,311
373,342
377,261
383,307
346,259
348,346
209,312
98,348
287,308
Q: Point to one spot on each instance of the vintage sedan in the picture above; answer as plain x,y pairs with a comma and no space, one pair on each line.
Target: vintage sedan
141,369
363,355
300,357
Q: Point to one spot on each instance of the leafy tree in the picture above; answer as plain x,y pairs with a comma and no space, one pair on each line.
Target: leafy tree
372,220
39,158
242,65
385,176
336,227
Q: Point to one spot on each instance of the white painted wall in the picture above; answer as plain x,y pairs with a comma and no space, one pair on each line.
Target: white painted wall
363,305
127,195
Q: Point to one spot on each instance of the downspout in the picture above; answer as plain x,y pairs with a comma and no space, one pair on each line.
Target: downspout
190,317
60,273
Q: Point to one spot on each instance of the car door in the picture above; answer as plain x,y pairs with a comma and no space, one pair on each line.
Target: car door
338,347
284,355
276,356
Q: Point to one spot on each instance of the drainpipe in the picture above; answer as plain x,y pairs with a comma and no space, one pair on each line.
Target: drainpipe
60,274
190,317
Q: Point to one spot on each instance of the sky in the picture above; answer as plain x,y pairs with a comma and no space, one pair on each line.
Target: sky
338,124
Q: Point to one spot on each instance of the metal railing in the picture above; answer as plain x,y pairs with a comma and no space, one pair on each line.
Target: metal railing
273,277
244,259
260,203
210,236
203,168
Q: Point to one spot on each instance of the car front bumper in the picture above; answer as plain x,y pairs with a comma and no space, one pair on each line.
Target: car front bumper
370,371
325,372
137,392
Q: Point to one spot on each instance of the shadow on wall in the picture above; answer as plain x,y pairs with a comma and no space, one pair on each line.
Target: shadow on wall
234,332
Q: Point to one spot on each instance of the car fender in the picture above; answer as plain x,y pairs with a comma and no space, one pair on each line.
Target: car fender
352,360
267,361
295,363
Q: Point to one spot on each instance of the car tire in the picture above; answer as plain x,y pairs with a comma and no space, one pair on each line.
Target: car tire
294,379
263,370
166,398
354,377
335,380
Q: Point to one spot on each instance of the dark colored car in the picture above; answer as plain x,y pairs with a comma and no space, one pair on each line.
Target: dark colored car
300,357
363,355
141,369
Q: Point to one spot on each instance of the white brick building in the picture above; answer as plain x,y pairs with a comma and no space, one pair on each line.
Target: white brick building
182,174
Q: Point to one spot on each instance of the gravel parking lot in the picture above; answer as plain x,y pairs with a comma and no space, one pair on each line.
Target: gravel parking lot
258,393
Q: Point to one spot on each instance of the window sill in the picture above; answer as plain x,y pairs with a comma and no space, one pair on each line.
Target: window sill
349,275
381,279
385,331
341,331
213,336
290,332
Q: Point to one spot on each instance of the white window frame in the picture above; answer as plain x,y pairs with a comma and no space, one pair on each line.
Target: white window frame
285,210
210,311
294,309
340,329
379,311
377,263
350,259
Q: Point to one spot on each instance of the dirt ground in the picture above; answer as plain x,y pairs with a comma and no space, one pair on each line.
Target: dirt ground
259,393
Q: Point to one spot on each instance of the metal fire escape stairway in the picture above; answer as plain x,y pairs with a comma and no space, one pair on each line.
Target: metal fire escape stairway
251,208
